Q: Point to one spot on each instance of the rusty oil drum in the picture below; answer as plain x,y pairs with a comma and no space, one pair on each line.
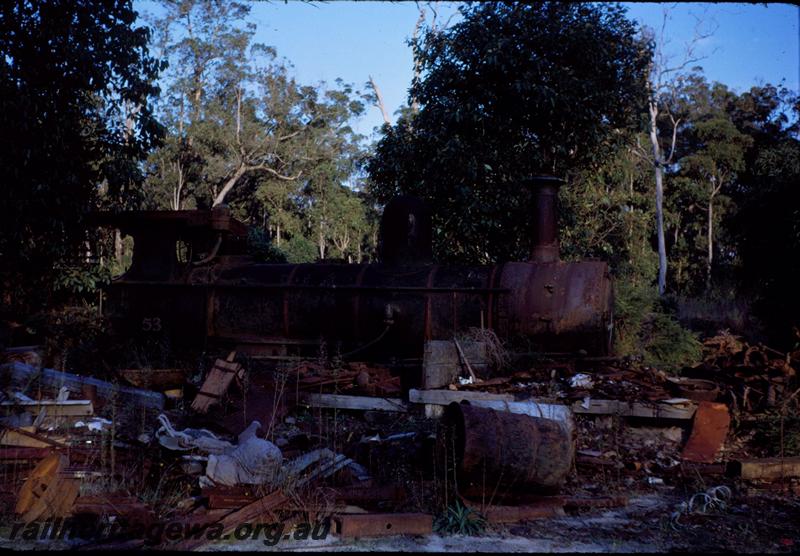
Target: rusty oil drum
498,450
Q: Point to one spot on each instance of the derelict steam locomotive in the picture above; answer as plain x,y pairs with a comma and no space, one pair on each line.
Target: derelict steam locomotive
192,281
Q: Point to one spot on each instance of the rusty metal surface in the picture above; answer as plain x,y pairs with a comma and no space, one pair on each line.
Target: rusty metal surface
561,305
566,306
501,451
547,507
695,389
212,291
349,305
544,233
381,525
167,244
710,428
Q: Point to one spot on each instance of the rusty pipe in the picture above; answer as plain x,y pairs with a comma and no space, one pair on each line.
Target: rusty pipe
544,234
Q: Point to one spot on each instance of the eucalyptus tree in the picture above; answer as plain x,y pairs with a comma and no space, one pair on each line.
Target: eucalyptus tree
663,71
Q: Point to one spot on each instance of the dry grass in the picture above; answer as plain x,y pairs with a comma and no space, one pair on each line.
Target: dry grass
497,354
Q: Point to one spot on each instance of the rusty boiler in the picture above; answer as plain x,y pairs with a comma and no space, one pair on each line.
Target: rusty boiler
191,282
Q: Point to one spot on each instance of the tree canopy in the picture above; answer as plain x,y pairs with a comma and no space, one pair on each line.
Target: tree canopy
100,112
512,90
244,132
76,85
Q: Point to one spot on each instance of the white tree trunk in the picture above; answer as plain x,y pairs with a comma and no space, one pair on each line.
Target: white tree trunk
220,198
710,260
657,164
178,190
379,100
321,244
662,246
118,246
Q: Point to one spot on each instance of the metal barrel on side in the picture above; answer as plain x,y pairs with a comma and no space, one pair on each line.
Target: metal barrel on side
502,452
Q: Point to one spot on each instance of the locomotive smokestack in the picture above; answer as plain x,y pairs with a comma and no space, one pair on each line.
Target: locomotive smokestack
406,232
545,225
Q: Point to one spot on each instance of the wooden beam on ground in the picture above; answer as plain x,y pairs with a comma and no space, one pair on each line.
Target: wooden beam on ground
446,397
499,402
364,403
22,375
261,508
154,379
22,438
251,513
53,408
768,469
655,410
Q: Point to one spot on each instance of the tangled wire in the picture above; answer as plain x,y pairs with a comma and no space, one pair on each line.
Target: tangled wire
712,500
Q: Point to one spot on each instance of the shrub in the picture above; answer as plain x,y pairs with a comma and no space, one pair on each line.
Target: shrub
646,327
299,250
260,247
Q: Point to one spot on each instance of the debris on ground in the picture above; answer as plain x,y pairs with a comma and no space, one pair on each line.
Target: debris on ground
479,446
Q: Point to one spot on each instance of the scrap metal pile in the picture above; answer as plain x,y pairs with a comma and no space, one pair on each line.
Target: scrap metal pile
385,398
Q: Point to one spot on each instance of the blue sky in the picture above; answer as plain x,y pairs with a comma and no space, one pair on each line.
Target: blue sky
752,44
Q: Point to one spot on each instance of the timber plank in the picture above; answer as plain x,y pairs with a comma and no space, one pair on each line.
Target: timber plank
636,409
365,403
767,468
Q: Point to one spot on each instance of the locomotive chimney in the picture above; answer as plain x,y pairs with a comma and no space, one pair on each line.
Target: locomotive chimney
545,224
406,232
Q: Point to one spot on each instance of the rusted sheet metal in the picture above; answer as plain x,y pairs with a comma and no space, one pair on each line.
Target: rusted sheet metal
503,451
349,304
695,389
547,507
710,428
381,525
